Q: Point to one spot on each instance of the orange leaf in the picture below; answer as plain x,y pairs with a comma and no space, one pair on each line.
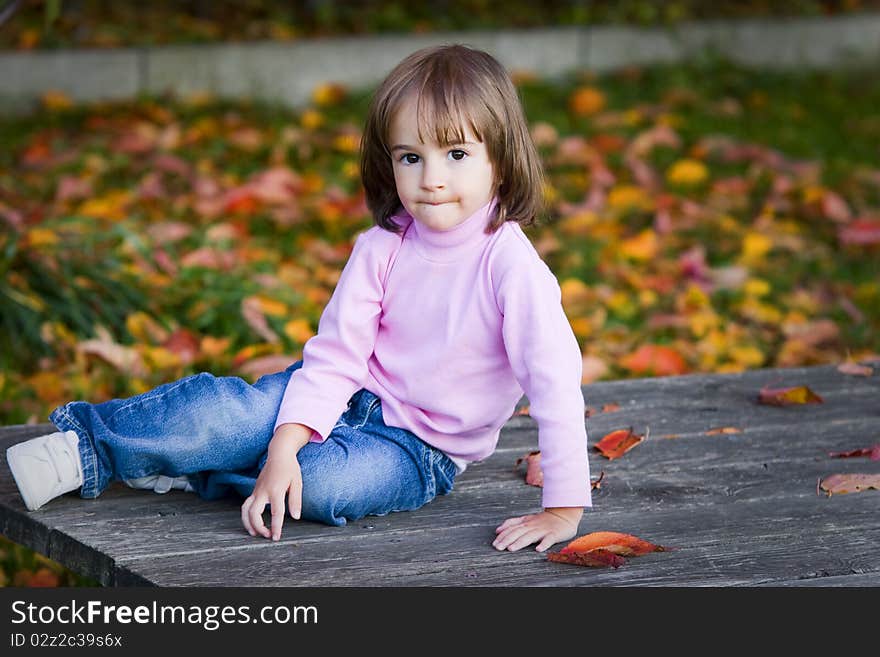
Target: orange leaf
604,549
617,443
849,483
534,474
788,396
657,359
871,452
712,432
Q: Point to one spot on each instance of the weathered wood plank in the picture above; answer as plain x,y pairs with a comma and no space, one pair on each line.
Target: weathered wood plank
742,508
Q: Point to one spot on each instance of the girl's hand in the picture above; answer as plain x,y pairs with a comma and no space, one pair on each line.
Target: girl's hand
549,527
280,476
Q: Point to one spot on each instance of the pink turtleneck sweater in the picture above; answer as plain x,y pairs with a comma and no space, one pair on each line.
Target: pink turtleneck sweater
449,329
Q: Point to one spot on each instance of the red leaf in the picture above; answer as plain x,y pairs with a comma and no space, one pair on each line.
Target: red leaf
788,396
617,443
871,452
604,549
596,558
849,483
534,474
185,344
861,231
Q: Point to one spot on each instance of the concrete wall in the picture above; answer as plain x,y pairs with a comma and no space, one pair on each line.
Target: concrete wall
288,72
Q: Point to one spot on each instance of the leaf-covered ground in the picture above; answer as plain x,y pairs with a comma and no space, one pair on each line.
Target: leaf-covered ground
702,218
47,24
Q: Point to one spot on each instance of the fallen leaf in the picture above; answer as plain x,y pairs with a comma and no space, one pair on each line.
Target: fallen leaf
849,483
658,360
712,432
871,452
595,558
617,443
534,474
524,410
604,549
860,231
594,485
854,368
788,396
606,408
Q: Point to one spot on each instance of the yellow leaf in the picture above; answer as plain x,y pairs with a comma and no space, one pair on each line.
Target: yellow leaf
38,237
755,247
329,93
748,356
298,330
687,173
629,197
56,100
144,328
272,307
160,358
756,287
641,247
48,386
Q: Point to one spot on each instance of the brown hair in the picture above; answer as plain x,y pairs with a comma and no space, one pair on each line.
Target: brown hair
455,84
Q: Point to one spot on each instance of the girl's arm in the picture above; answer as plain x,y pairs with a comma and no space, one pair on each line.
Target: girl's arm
280,476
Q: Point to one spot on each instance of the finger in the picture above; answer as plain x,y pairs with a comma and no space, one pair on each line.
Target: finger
510,522
294,499
508,536
546,542
277,509
256,516
525,539
245,520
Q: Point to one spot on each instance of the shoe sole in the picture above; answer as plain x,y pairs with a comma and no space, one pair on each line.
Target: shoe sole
22,480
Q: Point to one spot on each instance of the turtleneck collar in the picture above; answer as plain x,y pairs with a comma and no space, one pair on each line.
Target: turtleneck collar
449,245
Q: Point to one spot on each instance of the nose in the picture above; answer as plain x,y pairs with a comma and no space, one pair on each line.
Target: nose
433,175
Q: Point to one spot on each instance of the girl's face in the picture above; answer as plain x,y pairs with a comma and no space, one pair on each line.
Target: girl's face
440,186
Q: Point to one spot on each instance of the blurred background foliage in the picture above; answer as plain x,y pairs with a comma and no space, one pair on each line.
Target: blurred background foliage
109,23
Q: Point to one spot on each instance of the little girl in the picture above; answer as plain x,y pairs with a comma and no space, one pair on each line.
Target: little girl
443,317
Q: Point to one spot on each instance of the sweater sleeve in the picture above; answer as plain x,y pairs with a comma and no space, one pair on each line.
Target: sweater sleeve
546,360
335,359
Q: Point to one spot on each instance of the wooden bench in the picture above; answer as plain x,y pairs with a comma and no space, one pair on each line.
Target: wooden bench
739,508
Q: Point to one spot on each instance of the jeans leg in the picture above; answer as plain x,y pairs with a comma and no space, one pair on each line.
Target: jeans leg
367,468
195,425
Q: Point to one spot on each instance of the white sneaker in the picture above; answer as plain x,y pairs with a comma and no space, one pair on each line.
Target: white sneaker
46,467
161,483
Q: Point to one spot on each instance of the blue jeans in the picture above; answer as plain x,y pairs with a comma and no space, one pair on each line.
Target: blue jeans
216,430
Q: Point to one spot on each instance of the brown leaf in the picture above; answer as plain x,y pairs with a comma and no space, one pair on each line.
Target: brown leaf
871,452
712,432
185,344
788,396
604,549
534,474
595,485
849,483
617,443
